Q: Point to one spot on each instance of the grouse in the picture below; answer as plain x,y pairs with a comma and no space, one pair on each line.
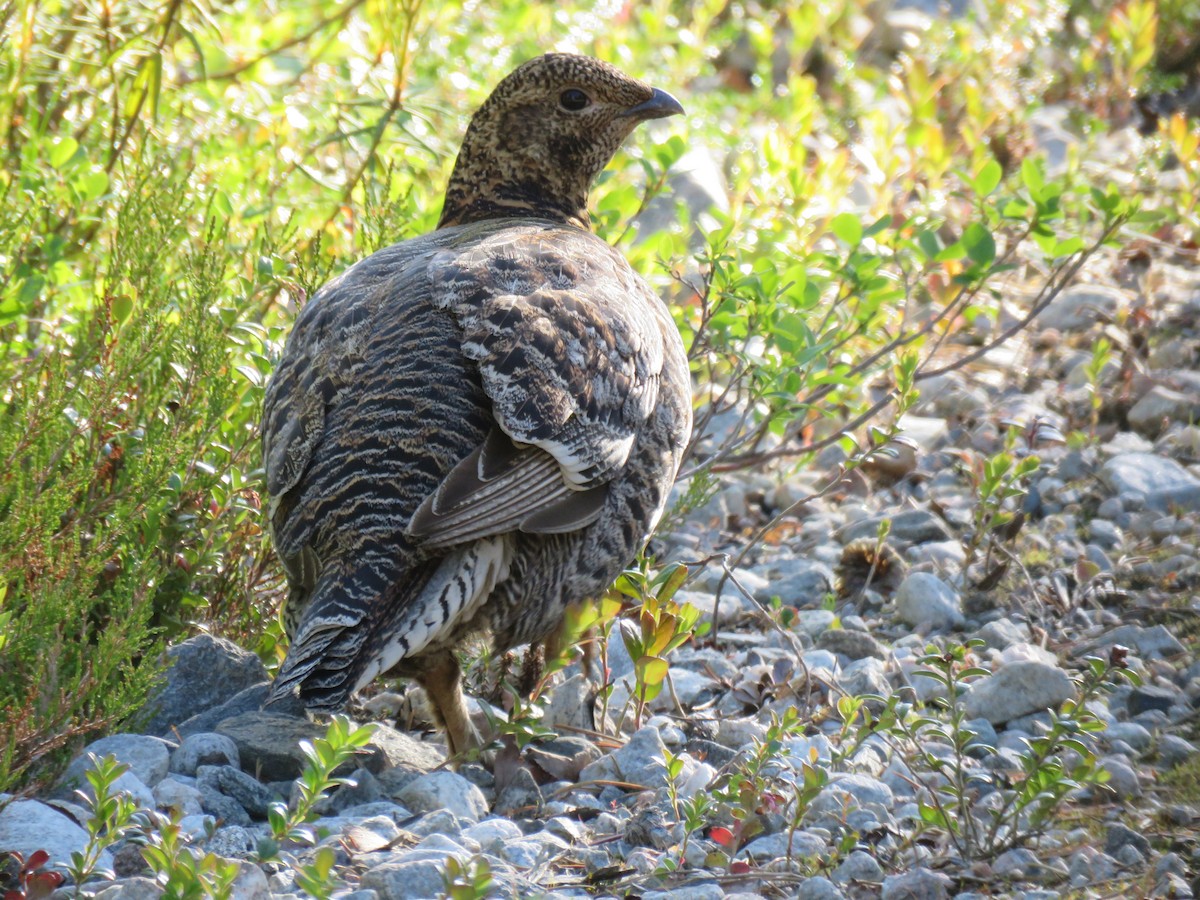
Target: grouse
471,430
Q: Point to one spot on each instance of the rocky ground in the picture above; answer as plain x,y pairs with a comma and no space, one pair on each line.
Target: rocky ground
1107,558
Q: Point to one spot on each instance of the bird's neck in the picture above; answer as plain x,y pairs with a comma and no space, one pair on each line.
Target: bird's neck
467,203
487,184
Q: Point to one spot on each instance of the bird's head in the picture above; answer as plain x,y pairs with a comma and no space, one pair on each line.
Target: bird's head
539,141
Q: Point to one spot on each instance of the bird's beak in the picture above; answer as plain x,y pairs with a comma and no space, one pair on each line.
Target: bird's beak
659,105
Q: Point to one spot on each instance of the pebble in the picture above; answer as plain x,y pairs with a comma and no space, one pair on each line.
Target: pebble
925,600
1016,690
444,791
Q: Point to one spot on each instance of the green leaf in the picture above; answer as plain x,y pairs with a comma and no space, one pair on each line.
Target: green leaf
651,670
92,185
61,153
981,246
1032,177
988,178
847,227
122,308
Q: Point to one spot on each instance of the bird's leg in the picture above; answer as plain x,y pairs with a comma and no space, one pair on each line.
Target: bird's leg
442,681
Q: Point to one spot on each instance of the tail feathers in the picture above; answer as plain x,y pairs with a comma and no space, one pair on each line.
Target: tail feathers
360,623
330,649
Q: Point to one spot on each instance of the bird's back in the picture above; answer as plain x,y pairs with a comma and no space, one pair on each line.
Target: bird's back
417,358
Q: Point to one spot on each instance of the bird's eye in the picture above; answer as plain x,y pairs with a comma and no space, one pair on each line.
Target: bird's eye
573,100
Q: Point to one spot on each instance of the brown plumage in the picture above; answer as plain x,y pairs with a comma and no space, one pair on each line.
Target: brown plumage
473,429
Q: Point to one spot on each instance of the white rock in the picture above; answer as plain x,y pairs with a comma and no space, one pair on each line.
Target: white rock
27,826
1161,406
924,599
148,758
250,884
491,834
444,790
1018,690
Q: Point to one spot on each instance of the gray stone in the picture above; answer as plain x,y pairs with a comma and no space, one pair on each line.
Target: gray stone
1149,643
177,798
1162,482
818,887
1081,305
416,880
1089,866
203,672
232,842
563,758
638,762
27,826
247,700
530,851
705,890
252,795
914,526
1160,407
572,705
223,808
147,758
1120,835
858,866
865,676
363,789
1016,690
1173,750
1147,697
204,749
924,599
800,588
445,790
1002,633
1122,779
1016,864
136,888
268,744
1173,886
250,884
440,821
1136,736
1129,857
389,748
520,797
854,644
491,834
844,792
916,884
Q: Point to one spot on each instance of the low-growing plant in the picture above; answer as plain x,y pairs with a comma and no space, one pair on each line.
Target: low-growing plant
469,880
180,872
762,782
939,741
661,625
342,741
317,877
999,483
33,881
112,818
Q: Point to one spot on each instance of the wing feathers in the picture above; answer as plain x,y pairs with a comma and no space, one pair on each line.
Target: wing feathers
499,488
